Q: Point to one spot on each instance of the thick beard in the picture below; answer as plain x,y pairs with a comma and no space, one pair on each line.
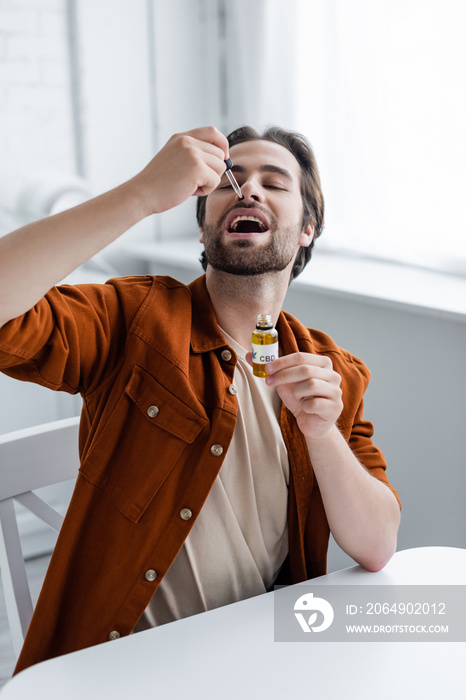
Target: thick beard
237,259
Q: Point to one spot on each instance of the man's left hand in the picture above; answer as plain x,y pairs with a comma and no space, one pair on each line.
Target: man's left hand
310,389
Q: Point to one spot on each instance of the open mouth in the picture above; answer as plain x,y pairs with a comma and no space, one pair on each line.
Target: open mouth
247,223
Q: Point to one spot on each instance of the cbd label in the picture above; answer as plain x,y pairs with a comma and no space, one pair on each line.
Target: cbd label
261,354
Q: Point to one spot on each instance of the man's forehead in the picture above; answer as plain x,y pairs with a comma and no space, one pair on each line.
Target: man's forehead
260,152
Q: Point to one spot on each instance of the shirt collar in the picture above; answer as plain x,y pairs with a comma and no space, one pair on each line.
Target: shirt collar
206,335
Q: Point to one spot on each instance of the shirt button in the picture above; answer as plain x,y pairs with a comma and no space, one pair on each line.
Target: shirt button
186,514
153,411
216,450
226,355
232,389
114,635
150,575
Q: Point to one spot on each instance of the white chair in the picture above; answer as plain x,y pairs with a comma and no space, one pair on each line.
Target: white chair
30,459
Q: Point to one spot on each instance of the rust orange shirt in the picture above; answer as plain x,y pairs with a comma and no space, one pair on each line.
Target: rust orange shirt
154,371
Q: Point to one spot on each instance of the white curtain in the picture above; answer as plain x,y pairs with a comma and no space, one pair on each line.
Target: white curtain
261,58
391,100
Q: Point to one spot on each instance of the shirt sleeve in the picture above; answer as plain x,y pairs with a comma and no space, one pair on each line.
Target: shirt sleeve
357,430
73,338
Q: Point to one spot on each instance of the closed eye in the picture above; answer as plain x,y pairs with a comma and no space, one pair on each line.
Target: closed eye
275,187
225,185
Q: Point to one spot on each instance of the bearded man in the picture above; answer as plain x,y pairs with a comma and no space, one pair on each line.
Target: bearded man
200,484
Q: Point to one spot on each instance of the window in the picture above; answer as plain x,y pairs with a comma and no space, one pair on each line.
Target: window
382,96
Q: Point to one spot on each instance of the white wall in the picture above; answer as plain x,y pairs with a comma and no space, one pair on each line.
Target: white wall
35,118
416,400
36,134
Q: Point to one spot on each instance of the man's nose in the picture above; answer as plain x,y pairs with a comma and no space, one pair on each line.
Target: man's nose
251,191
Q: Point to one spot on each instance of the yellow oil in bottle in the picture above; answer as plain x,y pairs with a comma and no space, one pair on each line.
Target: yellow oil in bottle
264,345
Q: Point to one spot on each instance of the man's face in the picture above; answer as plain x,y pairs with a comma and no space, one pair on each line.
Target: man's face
262,232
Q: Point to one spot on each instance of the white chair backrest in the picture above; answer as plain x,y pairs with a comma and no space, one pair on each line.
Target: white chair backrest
29,459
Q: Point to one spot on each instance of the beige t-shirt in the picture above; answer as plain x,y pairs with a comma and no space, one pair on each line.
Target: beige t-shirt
240,538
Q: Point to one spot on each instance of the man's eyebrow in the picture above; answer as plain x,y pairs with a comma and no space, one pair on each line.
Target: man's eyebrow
266,169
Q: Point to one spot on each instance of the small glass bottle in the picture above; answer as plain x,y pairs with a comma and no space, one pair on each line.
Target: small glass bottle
264,345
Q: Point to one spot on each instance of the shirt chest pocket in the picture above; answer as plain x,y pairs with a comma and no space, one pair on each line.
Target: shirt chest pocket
140,443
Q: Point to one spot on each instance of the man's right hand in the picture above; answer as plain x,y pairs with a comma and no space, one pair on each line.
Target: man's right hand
40,254
190,163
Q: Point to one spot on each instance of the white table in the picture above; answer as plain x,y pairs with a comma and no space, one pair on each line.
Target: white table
230,653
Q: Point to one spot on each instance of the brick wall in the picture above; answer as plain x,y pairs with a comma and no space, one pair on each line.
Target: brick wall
36,126
36,135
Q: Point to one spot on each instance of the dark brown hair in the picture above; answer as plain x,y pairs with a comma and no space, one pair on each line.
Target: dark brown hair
311,192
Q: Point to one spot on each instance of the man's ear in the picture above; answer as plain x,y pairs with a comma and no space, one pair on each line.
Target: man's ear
201,236
307,236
